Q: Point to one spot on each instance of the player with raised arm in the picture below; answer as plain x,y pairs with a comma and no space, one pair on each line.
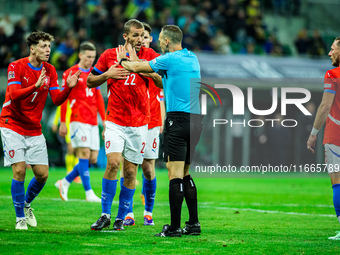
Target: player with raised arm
151,148
85,103
329,113
126,121
30,79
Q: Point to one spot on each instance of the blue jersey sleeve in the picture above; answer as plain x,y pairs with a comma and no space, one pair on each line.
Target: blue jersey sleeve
160,63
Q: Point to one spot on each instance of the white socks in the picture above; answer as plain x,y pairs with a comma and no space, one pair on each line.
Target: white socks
147,213
20,218
130,215
107,215
65,182
89,193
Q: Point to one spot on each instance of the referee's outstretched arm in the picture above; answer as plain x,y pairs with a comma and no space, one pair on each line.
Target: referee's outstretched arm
135,67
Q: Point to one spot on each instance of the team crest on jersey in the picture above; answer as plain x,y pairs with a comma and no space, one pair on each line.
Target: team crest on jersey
11,75
11,153
46,82
107,144
83,138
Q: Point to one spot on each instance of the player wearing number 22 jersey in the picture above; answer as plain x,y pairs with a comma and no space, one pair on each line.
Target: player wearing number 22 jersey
127,118
128,103
150,147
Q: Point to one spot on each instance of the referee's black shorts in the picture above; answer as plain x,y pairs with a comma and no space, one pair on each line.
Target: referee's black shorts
182,132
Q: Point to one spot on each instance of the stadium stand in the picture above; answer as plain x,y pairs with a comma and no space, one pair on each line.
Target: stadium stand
212,28
260,27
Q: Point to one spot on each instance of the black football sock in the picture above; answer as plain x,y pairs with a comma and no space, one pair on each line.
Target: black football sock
175,199
190,194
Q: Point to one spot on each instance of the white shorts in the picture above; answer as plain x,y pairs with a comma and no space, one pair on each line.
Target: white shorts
332,158
130,141
84,136
19,148
152,143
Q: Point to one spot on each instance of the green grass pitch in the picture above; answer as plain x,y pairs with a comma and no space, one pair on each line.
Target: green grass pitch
238,216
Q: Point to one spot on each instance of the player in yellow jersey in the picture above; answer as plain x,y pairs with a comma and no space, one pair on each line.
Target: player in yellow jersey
70,159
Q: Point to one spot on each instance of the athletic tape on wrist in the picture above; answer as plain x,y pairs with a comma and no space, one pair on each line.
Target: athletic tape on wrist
314,131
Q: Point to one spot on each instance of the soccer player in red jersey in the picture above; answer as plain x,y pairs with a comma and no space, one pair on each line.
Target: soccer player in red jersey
151,147
30,79
127,117
329,113
84,103
183,125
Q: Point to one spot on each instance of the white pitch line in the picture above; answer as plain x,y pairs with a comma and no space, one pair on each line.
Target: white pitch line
208,206
163,203
297,205
266,211
284,205
59,199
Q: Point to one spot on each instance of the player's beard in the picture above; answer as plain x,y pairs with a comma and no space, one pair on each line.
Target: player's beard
335,62
140,46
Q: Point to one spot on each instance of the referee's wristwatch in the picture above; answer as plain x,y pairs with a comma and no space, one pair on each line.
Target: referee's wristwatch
123,59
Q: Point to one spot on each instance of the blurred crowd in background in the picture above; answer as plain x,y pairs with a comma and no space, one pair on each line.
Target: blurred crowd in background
215,26
221,26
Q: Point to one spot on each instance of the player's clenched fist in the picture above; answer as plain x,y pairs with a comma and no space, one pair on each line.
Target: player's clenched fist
72,80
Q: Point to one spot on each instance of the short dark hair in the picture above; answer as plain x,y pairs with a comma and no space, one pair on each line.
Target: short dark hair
338,43
86,46
35,37
147,27
132,23
173,33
